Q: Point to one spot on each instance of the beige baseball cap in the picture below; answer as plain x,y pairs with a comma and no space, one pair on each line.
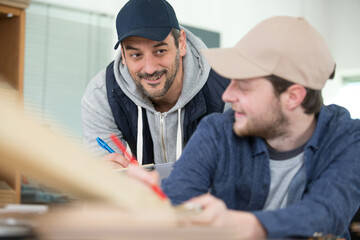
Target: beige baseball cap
287,47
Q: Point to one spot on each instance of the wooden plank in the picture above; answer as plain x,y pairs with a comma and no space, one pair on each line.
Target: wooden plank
21,57
10,57
12,49
22,4
63,164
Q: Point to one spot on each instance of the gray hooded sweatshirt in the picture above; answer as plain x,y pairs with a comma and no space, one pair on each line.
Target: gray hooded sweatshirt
166,129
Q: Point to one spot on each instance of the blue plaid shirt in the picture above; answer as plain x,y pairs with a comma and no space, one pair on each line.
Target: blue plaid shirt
236,170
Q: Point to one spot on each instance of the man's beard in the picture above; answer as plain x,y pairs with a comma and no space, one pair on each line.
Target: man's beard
266,127
169,80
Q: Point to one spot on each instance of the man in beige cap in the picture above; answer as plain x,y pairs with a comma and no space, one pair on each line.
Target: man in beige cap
280,164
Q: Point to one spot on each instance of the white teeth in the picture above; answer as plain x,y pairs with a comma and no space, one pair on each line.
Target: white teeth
153,79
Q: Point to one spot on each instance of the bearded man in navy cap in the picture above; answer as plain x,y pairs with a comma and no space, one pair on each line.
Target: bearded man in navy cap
155,92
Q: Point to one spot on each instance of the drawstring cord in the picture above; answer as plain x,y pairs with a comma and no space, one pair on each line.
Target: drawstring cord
139,145
179,137
139,148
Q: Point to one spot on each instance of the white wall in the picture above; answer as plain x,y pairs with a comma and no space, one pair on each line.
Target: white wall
103,6
338,21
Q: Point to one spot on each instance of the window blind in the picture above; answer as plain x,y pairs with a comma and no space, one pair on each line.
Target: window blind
64,49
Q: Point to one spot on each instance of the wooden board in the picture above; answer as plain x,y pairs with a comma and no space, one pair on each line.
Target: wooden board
113,205
56,161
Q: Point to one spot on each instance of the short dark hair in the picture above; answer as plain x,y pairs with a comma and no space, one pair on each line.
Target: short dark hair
176,34
313,100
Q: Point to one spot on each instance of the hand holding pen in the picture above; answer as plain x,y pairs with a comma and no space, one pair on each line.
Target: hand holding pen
122,148
115,160
137,172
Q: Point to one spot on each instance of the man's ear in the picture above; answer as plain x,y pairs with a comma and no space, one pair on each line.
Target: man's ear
182,43
293,96
122,55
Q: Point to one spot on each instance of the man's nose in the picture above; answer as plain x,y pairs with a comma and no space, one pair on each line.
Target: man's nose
229,94
150,64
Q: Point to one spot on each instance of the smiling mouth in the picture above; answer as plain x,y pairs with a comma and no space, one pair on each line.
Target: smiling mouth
153,79
239,114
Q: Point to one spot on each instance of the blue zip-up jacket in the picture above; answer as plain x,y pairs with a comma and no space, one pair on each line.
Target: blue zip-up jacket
236,170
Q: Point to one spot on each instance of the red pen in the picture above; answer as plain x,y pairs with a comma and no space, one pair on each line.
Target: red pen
133,161
122,148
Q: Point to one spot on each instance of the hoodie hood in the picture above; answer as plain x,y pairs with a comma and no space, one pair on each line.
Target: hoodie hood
195,73
165,126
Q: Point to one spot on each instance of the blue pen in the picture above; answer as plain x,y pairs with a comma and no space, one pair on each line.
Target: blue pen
104,145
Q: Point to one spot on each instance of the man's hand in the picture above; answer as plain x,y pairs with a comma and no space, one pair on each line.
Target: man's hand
215,214
115,161
149,178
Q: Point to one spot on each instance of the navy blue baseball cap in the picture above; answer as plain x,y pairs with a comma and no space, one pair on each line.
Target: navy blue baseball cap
151,19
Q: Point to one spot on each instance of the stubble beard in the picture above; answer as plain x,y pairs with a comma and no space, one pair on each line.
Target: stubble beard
267,128
168,83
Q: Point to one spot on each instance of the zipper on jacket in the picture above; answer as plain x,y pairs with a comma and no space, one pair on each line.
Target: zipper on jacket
162,127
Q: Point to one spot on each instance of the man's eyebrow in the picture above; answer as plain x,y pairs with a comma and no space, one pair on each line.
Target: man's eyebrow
242,80
129,47
160,44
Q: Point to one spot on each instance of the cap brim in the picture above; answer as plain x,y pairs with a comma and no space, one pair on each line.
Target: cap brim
230,64
152,33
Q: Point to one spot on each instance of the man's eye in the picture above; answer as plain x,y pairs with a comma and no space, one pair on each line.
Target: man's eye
160,51
135,55
243,87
